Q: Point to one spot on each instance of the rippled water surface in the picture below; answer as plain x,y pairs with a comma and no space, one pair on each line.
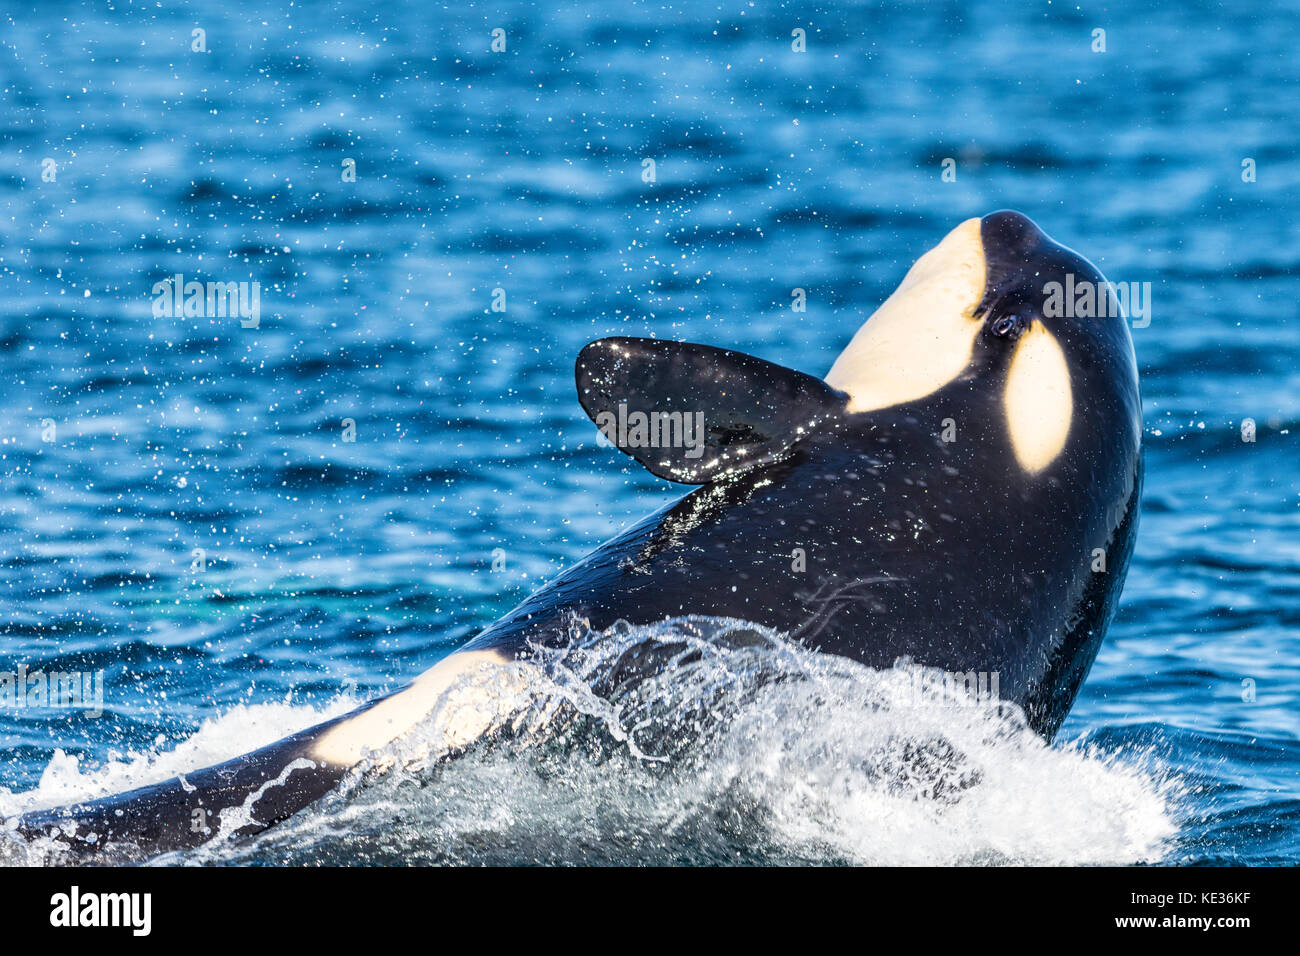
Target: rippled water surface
332,570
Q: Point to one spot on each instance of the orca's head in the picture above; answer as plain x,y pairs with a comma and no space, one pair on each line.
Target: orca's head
989,328
998,320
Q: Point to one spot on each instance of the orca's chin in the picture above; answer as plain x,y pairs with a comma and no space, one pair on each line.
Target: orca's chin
923,336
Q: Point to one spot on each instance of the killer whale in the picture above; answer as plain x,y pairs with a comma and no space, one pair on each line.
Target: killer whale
960,490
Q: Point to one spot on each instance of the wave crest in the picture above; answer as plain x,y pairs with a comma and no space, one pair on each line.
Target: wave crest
704,740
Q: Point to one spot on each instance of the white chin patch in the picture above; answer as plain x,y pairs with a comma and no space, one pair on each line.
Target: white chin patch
923,335
1038,400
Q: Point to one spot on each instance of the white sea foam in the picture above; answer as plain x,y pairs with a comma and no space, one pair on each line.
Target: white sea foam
697,740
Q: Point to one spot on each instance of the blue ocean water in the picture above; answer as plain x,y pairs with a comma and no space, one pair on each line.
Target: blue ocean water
179,507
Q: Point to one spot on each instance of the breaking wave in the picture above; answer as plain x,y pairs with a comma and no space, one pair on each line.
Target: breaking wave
696,740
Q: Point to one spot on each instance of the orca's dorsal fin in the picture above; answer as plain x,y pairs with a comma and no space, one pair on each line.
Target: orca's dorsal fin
693,413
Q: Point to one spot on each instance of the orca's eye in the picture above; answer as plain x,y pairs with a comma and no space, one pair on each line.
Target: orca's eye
1006,326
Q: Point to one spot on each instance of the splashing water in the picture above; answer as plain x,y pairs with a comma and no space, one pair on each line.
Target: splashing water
699,740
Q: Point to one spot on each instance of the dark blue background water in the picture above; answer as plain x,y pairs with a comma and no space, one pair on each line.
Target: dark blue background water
355,565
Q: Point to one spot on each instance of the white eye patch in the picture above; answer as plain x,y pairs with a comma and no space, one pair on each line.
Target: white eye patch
1038,401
